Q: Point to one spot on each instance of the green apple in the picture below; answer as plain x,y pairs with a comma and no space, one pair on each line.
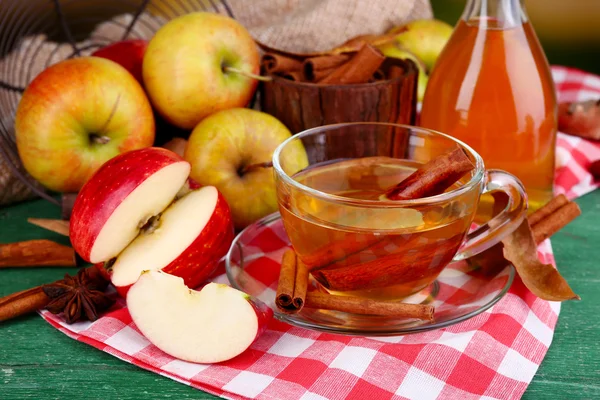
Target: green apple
75,116
198,64
392,50
425,38
229,150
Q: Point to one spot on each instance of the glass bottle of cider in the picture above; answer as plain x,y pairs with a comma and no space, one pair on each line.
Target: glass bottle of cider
491,87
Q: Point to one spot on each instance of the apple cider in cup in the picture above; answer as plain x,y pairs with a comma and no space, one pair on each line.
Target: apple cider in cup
378,252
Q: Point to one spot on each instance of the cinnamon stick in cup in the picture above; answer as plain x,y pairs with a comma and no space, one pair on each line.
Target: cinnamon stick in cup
359,69
434,177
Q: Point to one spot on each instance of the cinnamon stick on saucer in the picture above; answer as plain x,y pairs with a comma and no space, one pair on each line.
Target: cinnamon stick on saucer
292,296
359,69
434,177
293,283
359,305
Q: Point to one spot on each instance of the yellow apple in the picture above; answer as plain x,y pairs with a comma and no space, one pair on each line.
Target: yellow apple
425,38
228,150
75,116
198,64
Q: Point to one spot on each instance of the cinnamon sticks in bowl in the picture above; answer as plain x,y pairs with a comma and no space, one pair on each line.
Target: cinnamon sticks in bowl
362,66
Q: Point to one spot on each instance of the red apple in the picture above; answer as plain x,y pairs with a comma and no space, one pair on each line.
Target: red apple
75,116
127,53
126,216
196,64
212,325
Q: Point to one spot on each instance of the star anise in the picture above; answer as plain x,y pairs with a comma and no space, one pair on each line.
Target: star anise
80,296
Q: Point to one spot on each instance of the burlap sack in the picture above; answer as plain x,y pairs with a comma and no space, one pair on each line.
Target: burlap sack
305,26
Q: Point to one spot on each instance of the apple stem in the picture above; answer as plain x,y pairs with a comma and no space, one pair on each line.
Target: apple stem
248,74
244,170
97,139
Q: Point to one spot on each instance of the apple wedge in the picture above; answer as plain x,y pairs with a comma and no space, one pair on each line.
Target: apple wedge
212,325
140,211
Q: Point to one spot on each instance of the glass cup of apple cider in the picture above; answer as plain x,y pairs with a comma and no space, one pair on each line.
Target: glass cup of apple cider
353,238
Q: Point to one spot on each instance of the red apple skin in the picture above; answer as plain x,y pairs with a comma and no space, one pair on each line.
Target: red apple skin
264,314
68,102
127,53
107,189
202,256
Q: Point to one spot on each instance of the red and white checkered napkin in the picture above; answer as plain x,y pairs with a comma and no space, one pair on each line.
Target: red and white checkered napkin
493,355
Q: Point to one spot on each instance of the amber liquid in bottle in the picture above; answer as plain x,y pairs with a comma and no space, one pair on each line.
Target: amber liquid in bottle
492,88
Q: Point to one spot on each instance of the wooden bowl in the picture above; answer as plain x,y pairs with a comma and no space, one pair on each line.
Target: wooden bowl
302,105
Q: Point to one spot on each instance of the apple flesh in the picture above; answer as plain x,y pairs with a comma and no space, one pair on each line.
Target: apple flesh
185,67
187,240
223,149
212,325
127,53
76,115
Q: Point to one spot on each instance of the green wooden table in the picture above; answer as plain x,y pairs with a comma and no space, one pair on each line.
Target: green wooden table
39,362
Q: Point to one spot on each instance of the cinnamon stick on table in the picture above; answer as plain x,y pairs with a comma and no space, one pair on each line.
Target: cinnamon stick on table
36,253
552,217
359,69
22,303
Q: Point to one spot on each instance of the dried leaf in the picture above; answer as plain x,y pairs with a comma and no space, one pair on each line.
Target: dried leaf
543,280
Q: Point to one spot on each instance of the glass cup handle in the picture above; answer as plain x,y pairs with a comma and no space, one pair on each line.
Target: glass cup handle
505,222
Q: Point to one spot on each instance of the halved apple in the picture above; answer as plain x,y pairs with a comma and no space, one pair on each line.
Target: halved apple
129,216
212,325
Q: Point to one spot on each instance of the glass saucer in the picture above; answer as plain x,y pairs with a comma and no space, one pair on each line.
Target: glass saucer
460,292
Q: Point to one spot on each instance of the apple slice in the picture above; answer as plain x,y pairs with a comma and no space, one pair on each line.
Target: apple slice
119,199
188,239
212,325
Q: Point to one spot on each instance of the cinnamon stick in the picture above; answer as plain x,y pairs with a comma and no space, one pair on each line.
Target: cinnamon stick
434,177
295,76
359,69
311,66
359,305
554,221
287,280
548,208
317,75
300,284
36,253
22,303
277,63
